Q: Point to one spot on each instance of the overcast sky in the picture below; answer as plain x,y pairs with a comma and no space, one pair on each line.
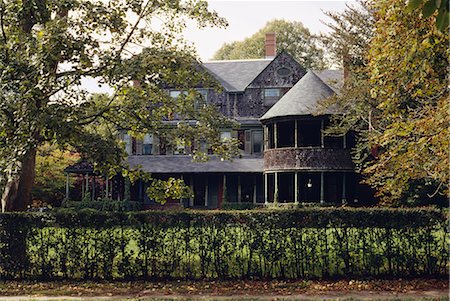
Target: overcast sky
245,18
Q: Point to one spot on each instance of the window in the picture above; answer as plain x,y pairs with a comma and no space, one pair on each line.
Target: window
226,135
147,145
284,71
202,99
257,137
174,93
286,133
271,92
252,140
271,96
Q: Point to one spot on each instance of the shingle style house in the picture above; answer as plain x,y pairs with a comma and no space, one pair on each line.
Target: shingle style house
285,156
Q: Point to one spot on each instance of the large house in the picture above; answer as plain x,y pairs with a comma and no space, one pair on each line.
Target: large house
285,155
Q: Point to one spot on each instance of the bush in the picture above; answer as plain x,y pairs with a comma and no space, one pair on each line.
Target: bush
240,206
303,243
103,205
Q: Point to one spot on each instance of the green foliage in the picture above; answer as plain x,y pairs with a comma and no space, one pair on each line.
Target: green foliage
50,181
306,243
430,7
48,47
291,36
102,205
162,190
239,206
395,99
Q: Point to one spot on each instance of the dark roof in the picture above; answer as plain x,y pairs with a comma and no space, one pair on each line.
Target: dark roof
333,78
81,167
302,99
236,75
184,164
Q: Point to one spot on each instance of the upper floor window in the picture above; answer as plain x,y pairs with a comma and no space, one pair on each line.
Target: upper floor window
251,141
271,96
271,92
147,145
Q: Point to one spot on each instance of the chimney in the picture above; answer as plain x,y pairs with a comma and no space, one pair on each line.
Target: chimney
271,45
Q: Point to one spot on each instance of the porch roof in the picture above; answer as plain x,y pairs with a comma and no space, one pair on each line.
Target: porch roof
184,164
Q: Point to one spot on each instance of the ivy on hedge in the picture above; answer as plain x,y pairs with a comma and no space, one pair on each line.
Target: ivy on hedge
313,242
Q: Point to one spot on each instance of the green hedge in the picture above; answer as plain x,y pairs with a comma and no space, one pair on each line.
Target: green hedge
303,243
103,205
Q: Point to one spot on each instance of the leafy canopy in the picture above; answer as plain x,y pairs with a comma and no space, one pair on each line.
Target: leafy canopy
291,36
48,47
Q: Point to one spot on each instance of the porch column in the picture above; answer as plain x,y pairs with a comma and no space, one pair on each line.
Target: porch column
82,188
141,190
191,185
87,183
67,186
224,188
254,189
93,187
266,137
296,133
296,182
322,126
239,192
322,187
181,199
275,194
266,201
206,192
344,184
344,141
275,135
107,188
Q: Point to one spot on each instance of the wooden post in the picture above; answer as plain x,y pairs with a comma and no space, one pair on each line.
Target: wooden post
296,186
266,201
67,186
93,187
275,135
322,188
254,189
296,134
206,193
344,183
191,184
239,192
224,188
275,193
322,139
107,188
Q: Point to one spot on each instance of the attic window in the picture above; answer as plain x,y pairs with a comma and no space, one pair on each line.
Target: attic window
284,71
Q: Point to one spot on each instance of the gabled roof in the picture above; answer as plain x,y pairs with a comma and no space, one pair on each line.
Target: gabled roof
236,75
302,99
333,78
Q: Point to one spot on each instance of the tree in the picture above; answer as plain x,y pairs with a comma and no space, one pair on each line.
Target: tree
50,179
291,36
409,59
47,47
396,100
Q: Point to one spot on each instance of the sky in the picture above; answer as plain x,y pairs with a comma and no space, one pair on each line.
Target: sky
244,19
247,17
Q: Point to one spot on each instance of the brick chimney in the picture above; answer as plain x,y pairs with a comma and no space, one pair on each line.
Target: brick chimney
271,45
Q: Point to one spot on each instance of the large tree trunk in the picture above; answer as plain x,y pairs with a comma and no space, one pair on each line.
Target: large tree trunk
17,193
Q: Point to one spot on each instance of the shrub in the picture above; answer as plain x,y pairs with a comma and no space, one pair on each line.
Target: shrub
103,205
240,206
302,243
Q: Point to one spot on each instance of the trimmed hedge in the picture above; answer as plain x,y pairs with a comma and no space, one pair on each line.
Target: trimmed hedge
103,205
303,243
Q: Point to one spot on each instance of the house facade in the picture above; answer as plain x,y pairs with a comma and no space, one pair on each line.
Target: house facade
284,155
